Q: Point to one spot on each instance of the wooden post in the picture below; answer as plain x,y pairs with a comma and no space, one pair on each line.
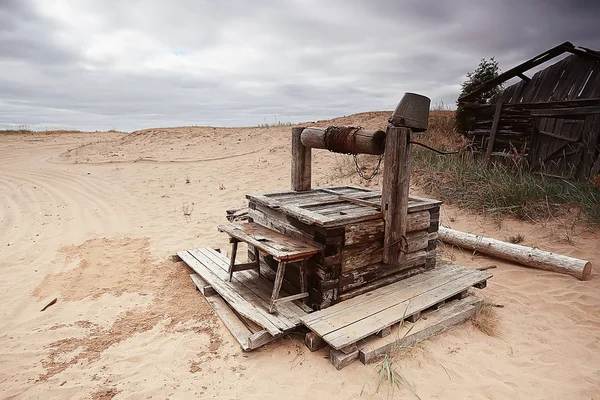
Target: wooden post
301,162
493,131
394,199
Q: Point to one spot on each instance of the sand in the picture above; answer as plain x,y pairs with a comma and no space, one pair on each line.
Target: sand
91,220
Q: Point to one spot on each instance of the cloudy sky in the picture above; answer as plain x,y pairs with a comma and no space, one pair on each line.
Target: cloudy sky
129,64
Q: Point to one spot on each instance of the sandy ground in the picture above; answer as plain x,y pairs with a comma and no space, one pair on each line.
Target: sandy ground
91,219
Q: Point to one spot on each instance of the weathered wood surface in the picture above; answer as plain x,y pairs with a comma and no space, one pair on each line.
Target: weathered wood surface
330,207
248,294
528,256
339,359
234,323
301,162
363,142
281,247
350,321
394,199
314,341
566,90
445,317
359,256
202,286
368,231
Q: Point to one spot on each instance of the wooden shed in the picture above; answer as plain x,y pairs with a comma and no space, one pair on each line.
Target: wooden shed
552,118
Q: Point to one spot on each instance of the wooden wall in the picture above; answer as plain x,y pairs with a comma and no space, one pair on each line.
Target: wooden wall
553,118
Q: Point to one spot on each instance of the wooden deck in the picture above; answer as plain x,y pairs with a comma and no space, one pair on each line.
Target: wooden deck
347,322
247,294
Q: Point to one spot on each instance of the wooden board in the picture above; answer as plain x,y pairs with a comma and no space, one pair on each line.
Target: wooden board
281,247
237,326
347,322
248,294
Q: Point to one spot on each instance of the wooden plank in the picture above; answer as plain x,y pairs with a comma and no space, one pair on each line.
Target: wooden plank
354,278
231,321
244,266
571,112
437,321
408,286
202,286
392,315
493,131
288,314
259,339
358,256
380,283
290,298
394,200
281,247
301,162
241,299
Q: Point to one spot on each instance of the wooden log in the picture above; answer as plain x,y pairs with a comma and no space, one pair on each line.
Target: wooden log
528,256
394,198
301,162
362,142
313,341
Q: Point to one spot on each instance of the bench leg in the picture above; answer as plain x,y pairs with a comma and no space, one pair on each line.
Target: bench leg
303,283
277,284
257,259
234,246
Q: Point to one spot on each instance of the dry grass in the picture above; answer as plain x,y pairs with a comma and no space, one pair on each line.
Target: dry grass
486,319
516,239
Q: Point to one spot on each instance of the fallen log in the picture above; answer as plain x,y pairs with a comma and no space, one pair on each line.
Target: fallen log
528,256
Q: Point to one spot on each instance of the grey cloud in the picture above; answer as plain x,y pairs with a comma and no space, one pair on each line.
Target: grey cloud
242,62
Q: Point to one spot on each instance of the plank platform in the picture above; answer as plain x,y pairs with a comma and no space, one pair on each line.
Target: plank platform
347,322
249,335
248,294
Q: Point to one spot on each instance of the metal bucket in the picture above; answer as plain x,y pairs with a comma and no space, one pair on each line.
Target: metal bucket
412,112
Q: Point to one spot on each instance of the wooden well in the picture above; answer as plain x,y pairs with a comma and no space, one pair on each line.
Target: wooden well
348,224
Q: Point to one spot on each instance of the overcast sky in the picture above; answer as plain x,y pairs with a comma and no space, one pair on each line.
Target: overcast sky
126,64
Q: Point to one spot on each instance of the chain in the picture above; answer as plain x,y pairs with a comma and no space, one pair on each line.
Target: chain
359,170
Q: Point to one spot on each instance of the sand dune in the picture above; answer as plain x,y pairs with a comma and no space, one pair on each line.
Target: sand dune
90,219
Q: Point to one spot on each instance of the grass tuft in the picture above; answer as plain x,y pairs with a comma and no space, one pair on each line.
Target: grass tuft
486,319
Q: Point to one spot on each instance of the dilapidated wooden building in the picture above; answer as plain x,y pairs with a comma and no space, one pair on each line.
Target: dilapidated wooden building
552,118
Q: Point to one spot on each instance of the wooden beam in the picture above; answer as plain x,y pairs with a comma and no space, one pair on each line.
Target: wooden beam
301,162
394,198
340,360
361,142
566,112
524,77
493,132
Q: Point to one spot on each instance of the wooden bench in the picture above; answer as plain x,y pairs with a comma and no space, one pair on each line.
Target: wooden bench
282,248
